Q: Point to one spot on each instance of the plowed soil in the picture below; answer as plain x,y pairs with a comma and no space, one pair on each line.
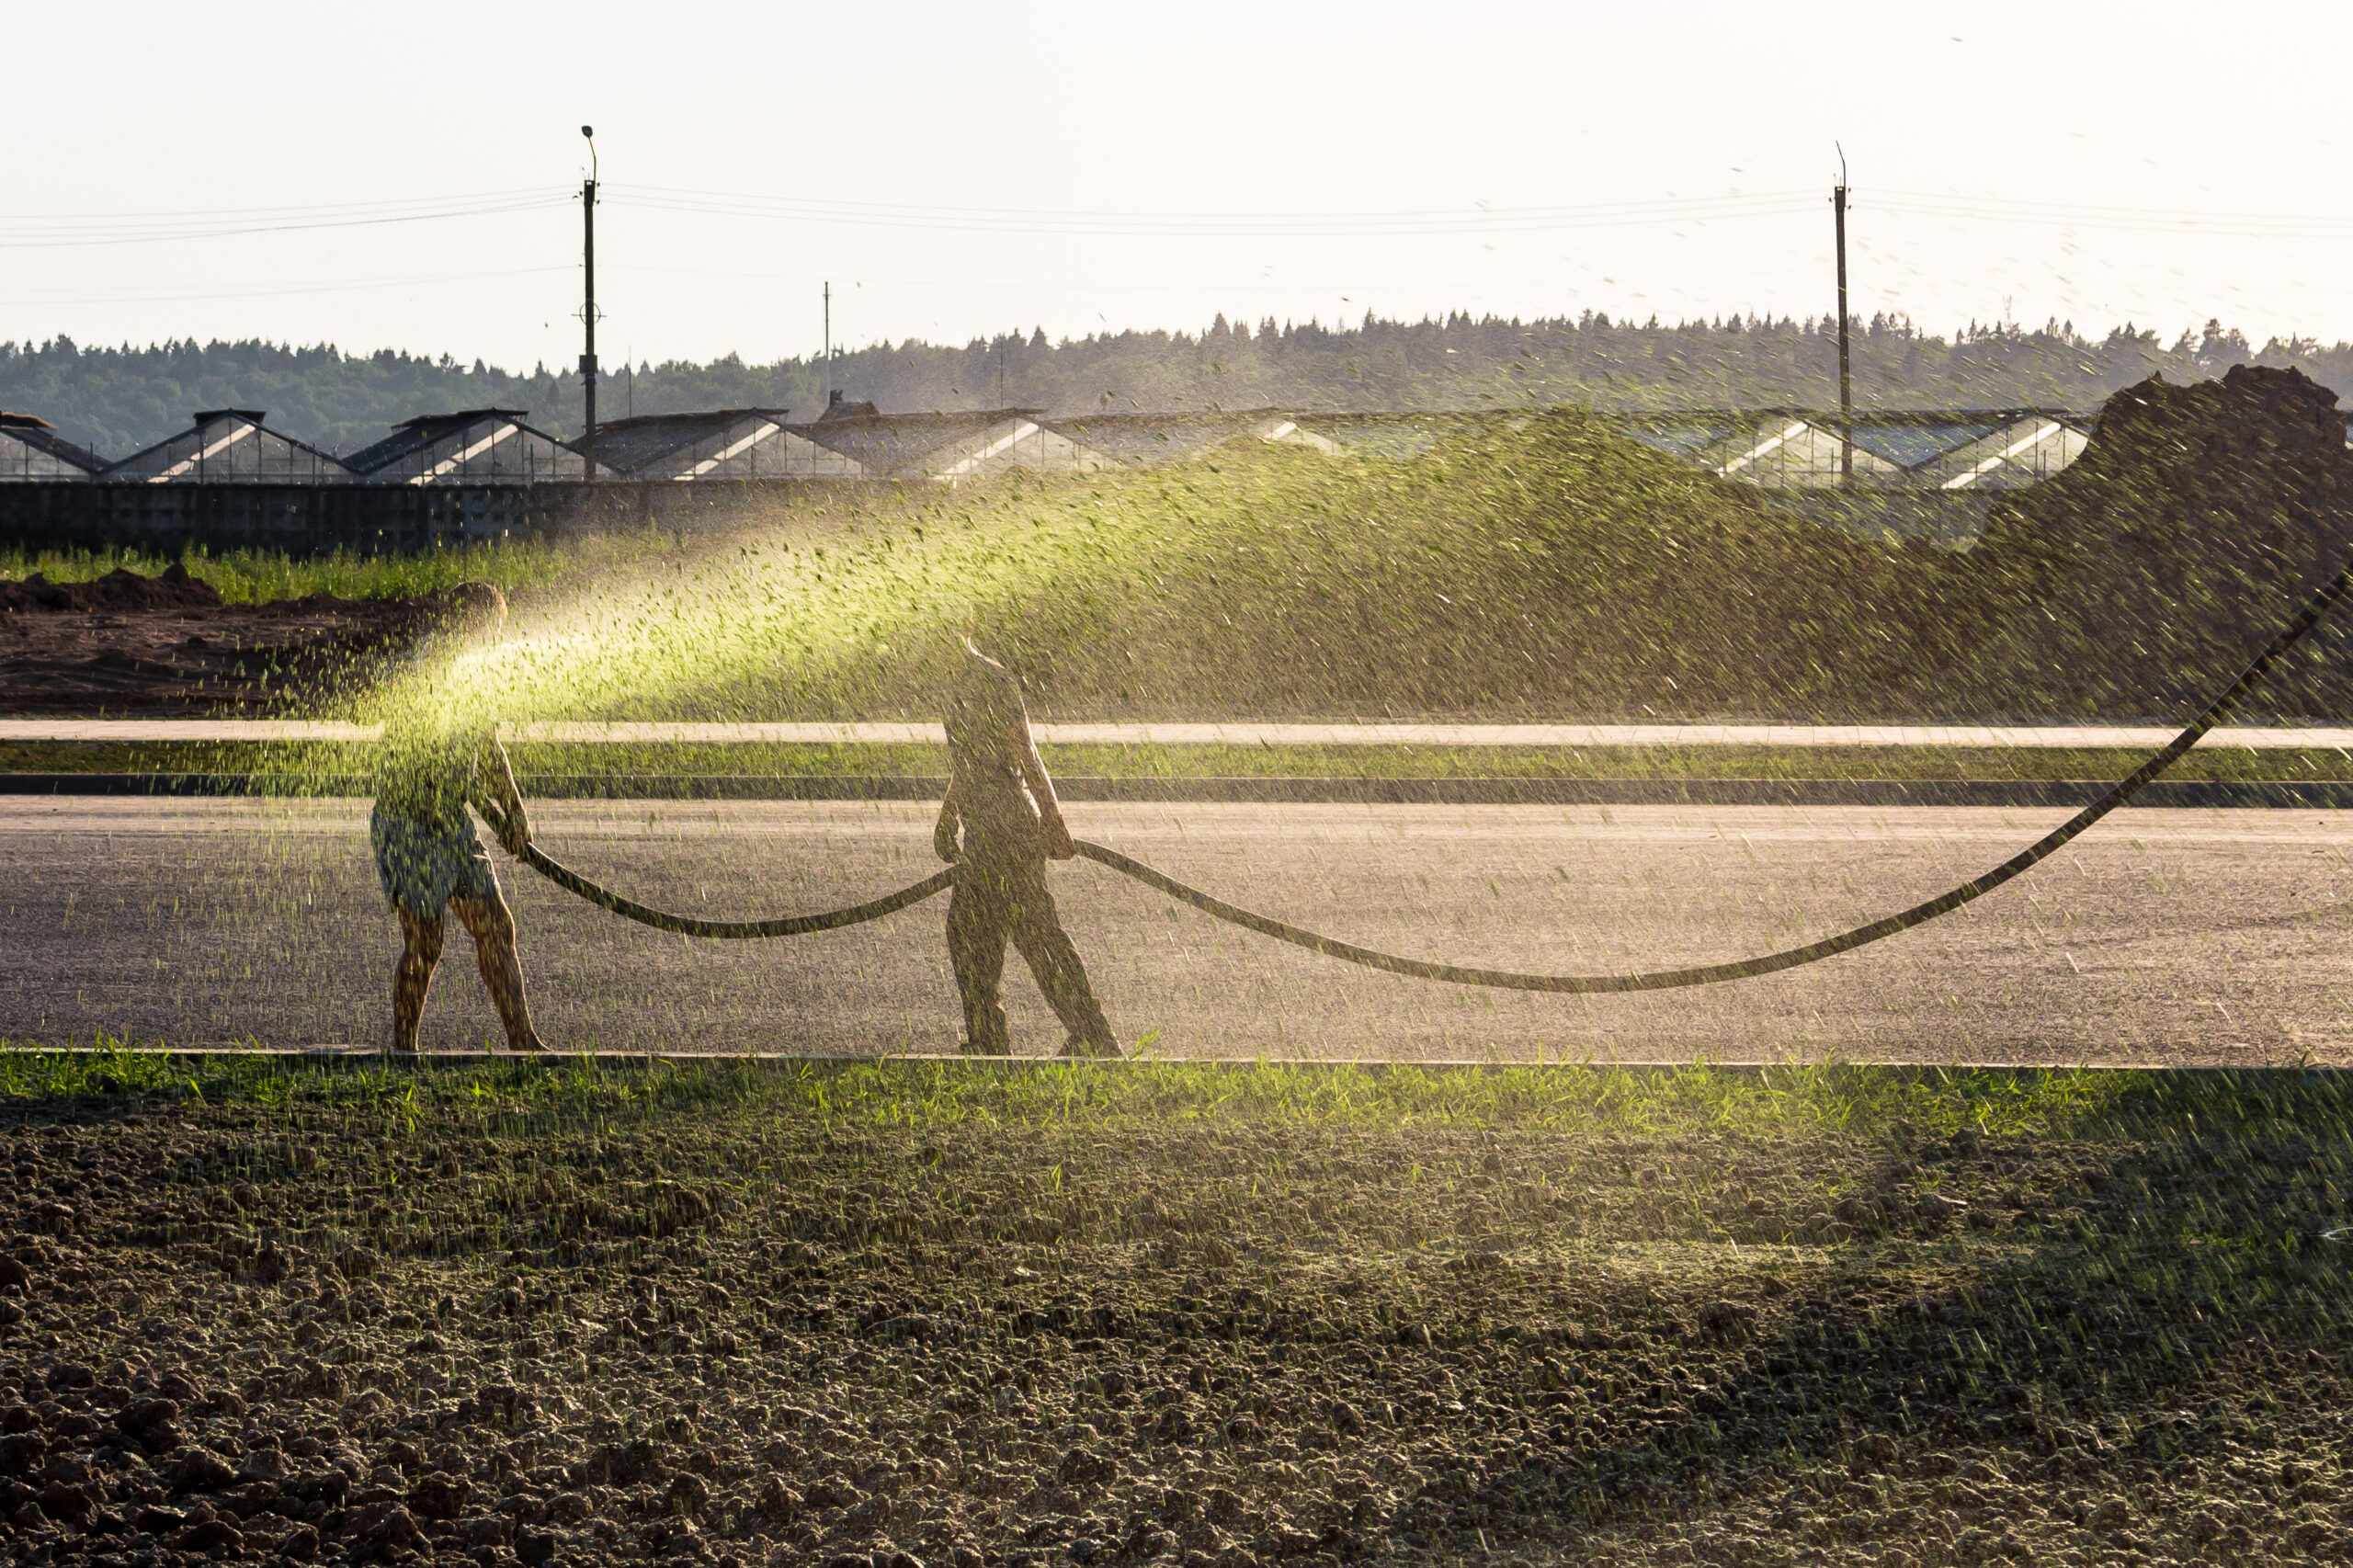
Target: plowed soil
128,644
853,1319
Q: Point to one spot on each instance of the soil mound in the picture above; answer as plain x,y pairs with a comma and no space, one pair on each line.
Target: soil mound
1561,570
2199,519
118,592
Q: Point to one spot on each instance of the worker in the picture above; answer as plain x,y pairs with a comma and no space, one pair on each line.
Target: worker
439,755
998,792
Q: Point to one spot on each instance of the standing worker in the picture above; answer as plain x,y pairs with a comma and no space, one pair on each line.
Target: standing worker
438,757
998,791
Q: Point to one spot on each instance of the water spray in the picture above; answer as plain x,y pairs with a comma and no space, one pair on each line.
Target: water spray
2333,594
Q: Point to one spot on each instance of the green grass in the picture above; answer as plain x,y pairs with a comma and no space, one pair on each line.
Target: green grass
264,576
1808,1099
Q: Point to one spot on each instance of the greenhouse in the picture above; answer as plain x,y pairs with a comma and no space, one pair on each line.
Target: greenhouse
727,443
31,450
1148,441
1794,449
228,446
951,447
473,446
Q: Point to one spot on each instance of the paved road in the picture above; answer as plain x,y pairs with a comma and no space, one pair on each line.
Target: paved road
2163,936
1989,736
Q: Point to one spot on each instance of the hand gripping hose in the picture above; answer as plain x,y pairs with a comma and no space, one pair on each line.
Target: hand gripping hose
1654,980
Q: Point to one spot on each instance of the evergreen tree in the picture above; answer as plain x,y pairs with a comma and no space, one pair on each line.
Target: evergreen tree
118,400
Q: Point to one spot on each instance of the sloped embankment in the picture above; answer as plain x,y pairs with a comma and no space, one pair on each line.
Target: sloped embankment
1561,571
1554,572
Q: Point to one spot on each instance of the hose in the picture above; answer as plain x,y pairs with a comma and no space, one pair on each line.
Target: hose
563,876
1508,980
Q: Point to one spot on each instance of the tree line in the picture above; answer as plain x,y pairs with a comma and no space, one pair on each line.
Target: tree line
116,400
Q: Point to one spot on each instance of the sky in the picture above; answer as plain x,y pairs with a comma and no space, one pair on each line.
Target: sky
410,177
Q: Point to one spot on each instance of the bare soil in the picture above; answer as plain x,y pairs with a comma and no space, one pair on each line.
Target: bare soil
733,1336
129,644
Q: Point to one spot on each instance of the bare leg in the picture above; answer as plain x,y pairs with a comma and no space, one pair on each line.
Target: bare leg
1038,931
420,952
501,970
976,949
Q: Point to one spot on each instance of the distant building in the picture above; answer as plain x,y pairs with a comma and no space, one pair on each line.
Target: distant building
947,449
473,446
2023,449
727,443
1149,440
1395,435
228,446
1792,448
31,450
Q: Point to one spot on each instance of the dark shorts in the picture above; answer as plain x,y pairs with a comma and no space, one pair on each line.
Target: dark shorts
421,872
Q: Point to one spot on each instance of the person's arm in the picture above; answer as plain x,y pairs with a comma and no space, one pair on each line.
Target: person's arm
1042,789
514,827
943,831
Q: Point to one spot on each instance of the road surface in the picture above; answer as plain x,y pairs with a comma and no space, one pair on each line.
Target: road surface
2214,937
1242,733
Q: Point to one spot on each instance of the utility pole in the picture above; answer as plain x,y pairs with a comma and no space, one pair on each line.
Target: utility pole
588,311
829,348
1846,379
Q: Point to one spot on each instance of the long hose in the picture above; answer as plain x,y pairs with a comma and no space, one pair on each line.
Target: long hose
564,876
1509,980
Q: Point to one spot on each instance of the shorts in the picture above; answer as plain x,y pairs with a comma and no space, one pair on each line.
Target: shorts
422,872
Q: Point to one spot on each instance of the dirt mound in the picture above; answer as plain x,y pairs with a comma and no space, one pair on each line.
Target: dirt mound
2200,518
118,592
1560,571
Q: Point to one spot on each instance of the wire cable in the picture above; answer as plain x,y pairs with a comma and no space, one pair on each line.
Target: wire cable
1174,226
67,231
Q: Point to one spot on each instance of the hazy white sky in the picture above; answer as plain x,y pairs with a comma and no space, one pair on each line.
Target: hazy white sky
961,170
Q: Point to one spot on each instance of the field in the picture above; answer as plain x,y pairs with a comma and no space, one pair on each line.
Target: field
961,1315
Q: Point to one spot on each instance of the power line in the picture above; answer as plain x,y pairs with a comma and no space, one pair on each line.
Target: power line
294,208
2135,219
62,231
27,230
75,230
178,293
980,220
